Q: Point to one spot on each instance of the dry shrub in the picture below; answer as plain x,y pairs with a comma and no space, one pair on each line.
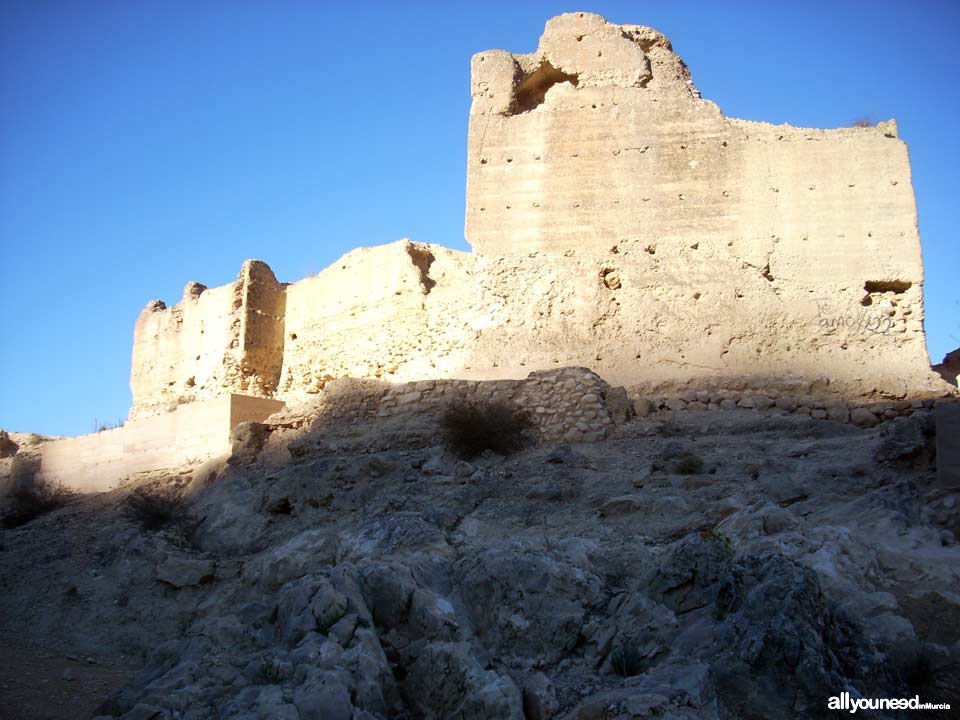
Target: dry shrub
470,428
688,464
154,510
32,498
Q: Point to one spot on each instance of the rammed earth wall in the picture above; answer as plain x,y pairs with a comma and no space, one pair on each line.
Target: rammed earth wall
619,222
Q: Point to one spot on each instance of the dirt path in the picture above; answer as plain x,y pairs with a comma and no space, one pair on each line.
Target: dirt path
44,683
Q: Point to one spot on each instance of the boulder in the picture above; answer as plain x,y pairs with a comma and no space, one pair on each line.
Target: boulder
446,681
525,602
181,570
861,417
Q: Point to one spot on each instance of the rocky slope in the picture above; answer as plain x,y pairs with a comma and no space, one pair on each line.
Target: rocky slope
712,565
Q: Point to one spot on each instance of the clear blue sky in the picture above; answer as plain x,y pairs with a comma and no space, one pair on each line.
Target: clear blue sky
145,144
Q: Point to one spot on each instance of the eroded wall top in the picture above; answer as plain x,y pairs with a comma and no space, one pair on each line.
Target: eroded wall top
215,341
600,138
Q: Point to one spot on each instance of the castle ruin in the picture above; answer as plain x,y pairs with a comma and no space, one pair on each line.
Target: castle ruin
619,222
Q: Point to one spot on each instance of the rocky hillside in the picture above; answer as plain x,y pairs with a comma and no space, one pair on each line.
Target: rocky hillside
695,565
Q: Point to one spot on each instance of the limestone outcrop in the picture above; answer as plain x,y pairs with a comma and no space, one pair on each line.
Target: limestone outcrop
734,564
619,222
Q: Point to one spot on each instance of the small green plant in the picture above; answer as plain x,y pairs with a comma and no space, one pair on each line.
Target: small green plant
688,464
153,510
31,499
470,428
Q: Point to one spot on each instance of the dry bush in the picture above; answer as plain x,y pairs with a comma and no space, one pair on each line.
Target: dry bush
32,498
627,660
154,510
470,428
688,464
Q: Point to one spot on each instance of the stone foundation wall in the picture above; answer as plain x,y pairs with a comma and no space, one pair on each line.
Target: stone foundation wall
568,405
771,402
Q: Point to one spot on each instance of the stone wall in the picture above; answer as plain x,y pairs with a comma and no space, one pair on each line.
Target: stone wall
574,404
772,402
192,433
566,405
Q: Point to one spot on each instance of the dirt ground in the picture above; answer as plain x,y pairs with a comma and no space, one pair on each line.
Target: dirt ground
44,683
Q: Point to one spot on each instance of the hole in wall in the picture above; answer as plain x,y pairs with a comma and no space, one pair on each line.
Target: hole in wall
532,89
611,278
422,258
882,286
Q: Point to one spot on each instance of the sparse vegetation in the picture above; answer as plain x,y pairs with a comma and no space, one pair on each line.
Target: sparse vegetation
922,673
154,510
688,464
31,499
100,426
470,428
626,660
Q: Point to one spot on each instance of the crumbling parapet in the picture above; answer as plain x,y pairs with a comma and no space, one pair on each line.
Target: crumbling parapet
262,319
213,342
